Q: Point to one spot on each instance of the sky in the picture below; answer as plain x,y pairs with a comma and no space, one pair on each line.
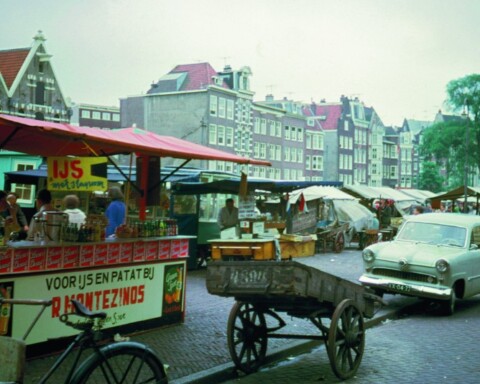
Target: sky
396,56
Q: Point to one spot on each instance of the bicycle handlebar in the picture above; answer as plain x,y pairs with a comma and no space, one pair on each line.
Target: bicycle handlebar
46,303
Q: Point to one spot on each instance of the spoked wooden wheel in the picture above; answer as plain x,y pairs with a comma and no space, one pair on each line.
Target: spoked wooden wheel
339,242
247,337
346,339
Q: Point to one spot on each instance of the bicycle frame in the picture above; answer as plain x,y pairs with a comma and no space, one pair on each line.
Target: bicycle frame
88,338
85,340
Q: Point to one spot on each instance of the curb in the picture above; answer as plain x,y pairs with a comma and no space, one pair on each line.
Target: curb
228,371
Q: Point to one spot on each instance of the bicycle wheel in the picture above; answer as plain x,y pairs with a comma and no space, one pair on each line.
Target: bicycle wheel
125,362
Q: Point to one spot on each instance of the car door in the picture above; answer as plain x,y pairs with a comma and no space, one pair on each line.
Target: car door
473,279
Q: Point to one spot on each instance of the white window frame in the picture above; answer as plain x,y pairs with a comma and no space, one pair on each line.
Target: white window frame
213,105
212,134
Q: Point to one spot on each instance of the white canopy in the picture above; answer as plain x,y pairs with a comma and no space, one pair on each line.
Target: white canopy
319,192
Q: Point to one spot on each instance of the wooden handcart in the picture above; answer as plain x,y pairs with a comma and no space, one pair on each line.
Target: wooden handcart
332,237
263,289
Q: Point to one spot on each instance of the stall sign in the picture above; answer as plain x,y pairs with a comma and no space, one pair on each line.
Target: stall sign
128,295
77,173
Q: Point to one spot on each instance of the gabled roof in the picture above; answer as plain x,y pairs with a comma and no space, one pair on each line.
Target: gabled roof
187,77
200,75
11,62
417,126
329,114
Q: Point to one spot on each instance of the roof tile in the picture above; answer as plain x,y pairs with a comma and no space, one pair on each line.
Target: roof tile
10,63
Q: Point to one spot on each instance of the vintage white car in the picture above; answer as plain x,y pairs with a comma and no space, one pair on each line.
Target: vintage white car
434,256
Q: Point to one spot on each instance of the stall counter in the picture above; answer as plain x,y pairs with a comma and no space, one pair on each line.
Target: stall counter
138,282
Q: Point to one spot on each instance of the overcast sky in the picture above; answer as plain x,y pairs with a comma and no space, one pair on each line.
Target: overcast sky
395,55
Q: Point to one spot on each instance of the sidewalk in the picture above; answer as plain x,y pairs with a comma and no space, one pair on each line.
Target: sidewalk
197,351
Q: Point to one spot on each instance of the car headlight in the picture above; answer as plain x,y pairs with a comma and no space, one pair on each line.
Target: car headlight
442,265
368,255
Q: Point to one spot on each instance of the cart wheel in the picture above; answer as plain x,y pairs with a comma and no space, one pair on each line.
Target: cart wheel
346,339
247,337
339,242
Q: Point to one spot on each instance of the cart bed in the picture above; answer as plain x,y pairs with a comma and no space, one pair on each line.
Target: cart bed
287,282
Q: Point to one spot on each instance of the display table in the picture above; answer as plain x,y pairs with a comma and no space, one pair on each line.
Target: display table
138,282
256,249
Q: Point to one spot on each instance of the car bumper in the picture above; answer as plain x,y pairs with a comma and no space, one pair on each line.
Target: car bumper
400,287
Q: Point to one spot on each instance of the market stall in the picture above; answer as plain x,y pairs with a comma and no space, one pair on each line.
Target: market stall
137,277
278,220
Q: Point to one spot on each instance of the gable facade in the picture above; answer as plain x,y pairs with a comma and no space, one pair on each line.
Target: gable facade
28,85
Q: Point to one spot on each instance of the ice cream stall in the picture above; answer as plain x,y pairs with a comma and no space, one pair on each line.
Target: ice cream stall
138,276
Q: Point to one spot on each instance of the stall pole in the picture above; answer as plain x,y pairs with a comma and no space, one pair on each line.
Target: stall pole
144,186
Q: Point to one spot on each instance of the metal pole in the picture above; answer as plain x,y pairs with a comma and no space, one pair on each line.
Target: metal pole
465,206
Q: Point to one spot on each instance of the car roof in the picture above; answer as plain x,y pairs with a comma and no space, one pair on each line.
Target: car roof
460,219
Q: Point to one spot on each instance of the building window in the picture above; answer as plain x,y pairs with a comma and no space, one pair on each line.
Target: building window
85,114
212,134
263,126
221,107
213,105
256,125
229,136
220,135
272,128
115,117
308,140
307,162
25,192
278,152
286,153
287,132
263,150
96,115
106,116
278,129
230,109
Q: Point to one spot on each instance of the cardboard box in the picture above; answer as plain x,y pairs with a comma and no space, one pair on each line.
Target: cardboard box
139,251
164,249
71,256
126,252
6,260
20,260
101,254
151,250
54,258
113,253
179,248
87,253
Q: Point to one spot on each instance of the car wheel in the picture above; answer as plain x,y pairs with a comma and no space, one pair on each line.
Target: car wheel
447,307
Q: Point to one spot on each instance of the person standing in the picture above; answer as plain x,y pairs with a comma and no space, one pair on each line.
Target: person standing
115,211
43,202
228,215
75,214
16,210
385,214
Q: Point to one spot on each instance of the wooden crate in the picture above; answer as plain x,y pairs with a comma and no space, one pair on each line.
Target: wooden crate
297,249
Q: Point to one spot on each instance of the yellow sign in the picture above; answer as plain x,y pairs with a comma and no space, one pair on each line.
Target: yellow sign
77,173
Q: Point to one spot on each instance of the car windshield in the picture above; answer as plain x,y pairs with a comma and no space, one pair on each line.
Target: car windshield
436,234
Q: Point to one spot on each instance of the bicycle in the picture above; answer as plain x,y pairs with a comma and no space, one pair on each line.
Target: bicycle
118,362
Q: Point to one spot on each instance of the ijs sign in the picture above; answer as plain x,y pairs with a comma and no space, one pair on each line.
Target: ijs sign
77,173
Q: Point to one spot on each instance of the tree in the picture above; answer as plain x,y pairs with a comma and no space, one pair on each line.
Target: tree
444,144
430,178
456,142
464,96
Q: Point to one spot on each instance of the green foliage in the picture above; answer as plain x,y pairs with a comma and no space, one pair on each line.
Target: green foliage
455,142
430,178
464,96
